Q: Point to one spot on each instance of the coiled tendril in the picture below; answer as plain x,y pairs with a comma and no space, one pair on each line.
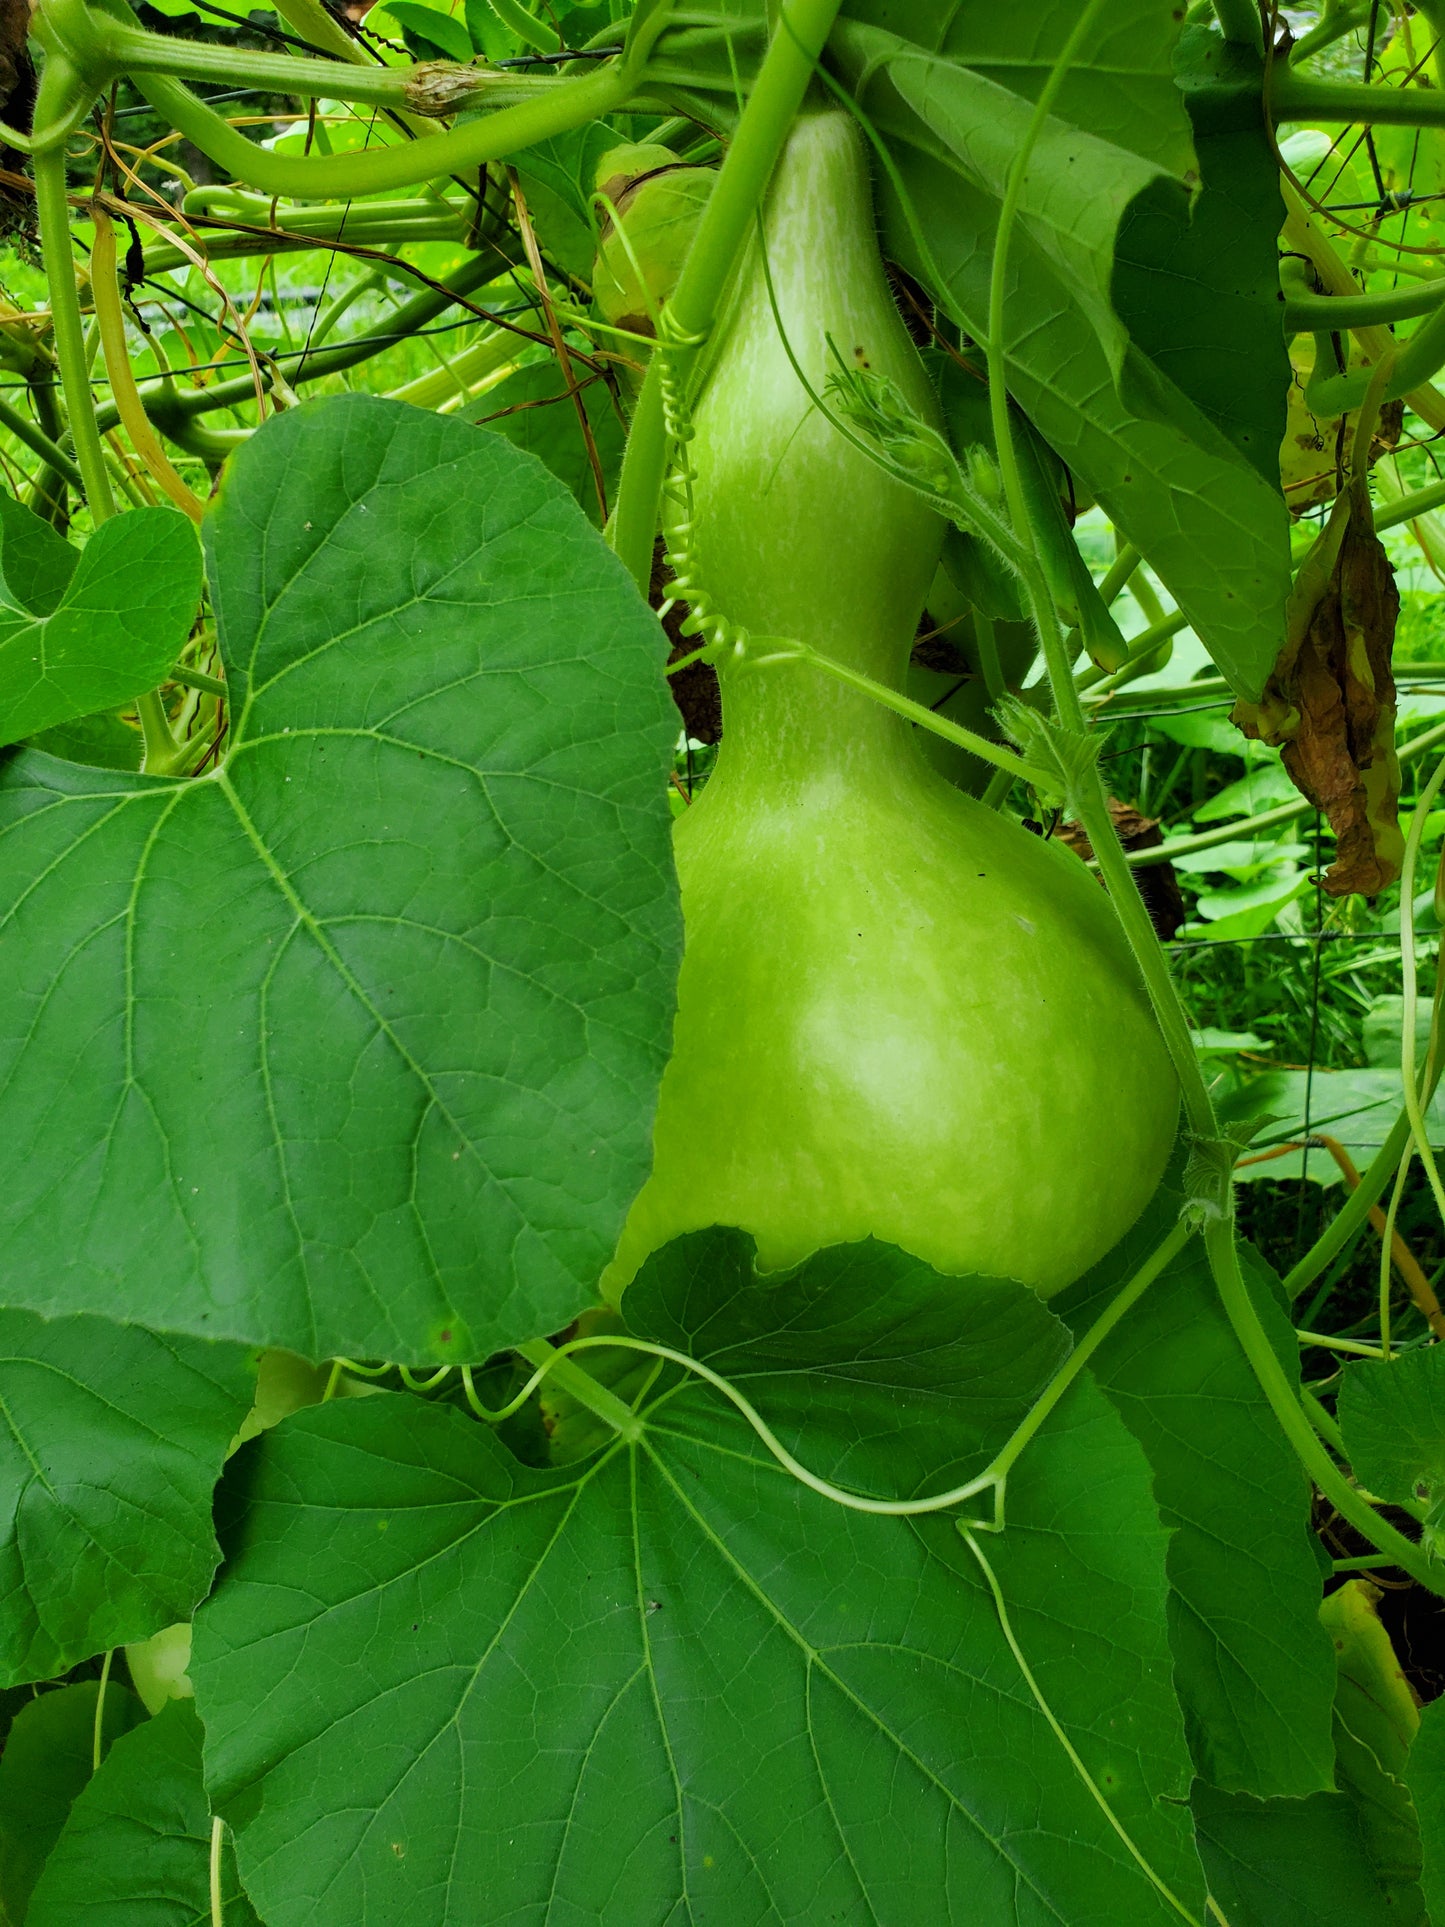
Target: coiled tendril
720,637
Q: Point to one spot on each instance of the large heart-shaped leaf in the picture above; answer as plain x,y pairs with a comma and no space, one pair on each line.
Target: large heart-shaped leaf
669,1682
353,1045
90,629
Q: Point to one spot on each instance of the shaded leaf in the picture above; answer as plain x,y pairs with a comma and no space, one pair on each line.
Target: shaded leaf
430,897
558,177
120,622
136,1849
1209,522
1118,83
429,33
1198,285
111,1440
1392,1414
48,1758
1425,1776
1078,184
1289,1863
36,563
104,740
1253,1667
671,1681
1375,1721
533,409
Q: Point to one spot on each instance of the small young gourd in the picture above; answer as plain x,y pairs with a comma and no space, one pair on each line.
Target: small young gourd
899,1014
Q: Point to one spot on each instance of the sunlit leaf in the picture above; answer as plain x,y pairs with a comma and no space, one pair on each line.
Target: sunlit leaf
358,1038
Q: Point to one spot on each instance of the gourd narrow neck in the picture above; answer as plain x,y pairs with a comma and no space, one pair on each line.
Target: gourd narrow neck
796,532
791,722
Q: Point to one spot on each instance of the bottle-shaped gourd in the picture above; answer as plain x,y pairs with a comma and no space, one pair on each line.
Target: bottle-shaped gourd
899,1015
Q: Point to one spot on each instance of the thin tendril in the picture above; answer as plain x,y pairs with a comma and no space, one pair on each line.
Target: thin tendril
218,1905
991,1579
97,1737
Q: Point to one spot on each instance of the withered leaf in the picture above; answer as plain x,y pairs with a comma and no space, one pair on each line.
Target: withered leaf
1329,703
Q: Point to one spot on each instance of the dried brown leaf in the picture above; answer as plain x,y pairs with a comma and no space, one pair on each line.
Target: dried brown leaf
1329,703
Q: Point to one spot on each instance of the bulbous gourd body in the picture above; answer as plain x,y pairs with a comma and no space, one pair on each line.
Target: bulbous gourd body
899,1015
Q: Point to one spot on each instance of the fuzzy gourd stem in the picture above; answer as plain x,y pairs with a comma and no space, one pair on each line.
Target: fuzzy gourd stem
725,226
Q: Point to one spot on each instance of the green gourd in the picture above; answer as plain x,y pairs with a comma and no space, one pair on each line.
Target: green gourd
899,1014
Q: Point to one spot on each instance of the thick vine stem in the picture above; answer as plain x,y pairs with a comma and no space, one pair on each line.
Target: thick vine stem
58,85
1294,96
1286,1405
583,1387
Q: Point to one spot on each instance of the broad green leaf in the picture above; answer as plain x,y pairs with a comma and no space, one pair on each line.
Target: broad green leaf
1118,83
1289,1863
121,620
671,1682
111,1440
1425,1777
1392,1413
49,1756
533,409
1172,481
1077,188
1375,1721
359,1038
136,1849
1198,287
1254,1670
441,36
